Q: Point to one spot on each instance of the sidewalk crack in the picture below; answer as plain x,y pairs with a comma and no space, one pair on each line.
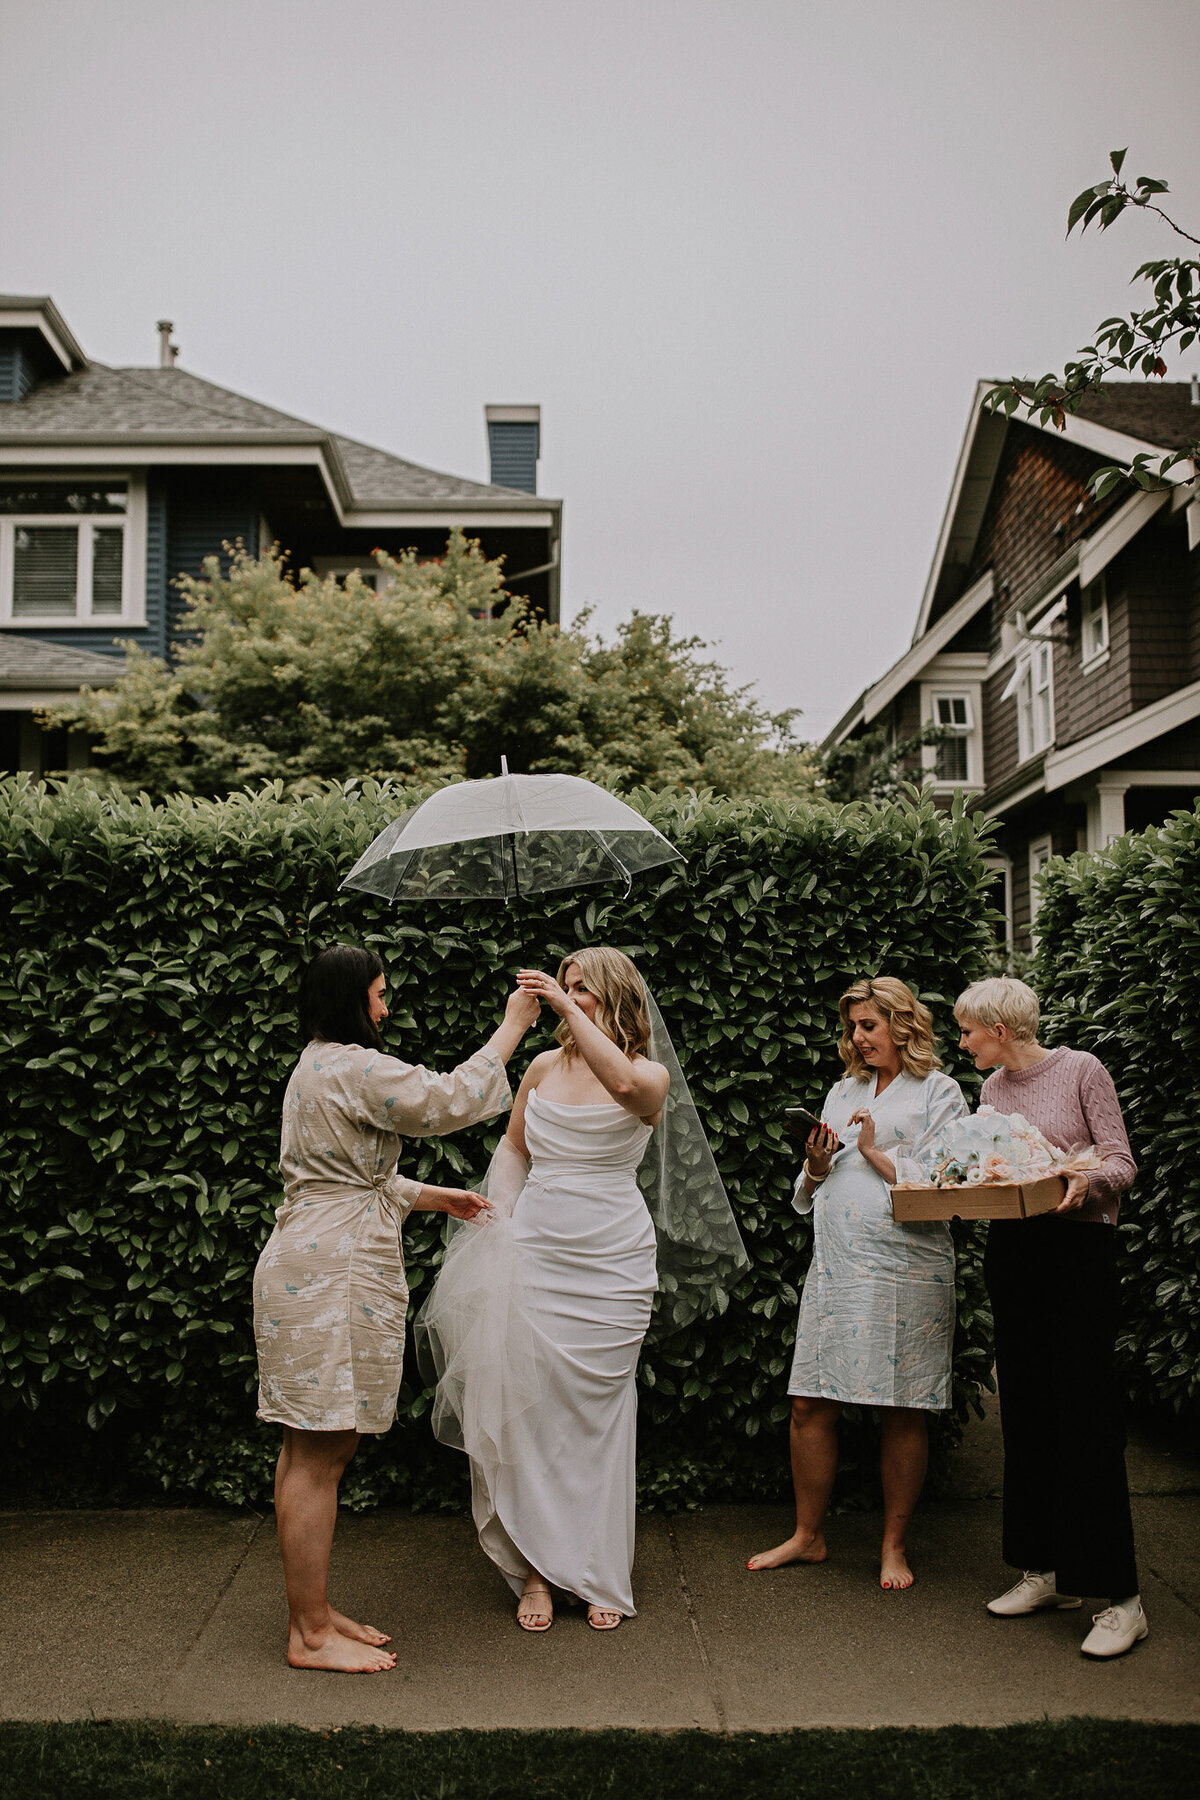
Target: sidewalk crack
714,1694
210,1614
1172,1589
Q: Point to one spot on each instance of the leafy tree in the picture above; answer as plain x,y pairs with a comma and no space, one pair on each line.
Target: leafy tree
1135,343
433,679
875,766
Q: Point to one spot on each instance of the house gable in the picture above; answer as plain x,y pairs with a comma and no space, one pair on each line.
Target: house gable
1075,624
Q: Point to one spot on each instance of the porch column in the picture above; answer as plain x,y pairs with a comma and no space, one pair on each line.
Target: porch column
1106,811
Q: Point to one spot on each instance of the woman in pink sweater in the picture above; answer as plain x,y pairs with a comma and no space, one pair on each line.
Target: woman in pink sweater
1053,1286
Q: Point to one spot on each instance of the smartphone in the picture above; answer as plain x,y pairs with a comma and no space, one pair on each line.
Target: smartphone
800,1122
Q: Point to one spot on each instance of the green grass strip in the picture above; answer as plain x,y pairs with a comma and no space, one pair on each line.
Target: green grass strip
1094,1759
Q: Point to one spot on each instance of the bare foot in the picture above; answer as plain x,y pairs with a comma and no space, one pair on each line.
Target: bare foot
600,1619
800,1547
894,1572
361,1634
535,1608
330,1650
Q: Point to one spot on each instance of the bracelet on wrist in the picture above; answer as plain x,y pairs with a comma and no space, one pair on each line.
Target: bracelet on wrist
811,1174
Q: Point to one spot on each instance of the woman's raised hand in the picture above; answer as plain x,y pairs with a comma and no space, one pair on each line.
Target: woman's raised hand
866,1129
521,1009
543,987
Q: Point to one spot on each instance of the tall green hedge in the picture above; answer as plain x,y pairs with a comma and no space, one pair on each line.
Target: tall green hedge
150,964
1118,972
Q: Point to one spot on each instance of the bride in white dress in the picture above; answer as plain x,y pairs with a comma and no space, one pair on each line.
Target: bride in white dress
535,1322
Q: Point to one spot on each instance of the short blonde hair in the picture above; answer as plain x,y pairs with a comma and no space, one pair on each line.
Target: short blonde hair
909,1023
622,1004
1001,1000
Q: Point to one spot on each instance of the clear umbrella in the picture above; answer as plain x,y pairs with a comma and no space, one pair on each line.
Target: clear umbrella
508,836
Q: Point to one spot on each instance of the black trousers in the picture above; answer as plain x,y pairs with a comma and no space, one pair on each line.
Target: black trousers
1053,1286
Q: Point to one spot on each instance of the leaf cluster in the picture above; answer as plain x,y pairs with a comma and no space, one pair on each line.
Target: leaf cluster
316,679
1118,969
875,766
151,956
1135,343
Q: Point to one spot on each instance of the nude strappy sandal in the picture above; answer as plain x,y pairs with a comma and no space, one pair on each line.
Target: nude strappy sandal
610,1624
535,1612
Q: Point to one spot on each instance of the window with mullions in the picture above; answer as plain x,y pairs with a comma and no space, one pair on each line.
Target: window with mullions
953,713
62,551
955,760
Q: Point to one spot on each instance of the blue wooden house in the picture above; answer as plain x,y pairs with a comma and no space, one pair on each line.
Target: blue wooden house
115,481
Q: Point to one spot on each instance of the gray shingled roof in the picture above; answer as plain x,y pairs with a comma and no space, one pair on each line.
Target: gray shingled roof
32,663
1157,412
166,402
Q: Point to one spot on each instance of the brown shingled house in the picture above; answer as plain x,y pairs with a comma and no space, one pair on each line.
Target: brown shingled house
1058,639
114,481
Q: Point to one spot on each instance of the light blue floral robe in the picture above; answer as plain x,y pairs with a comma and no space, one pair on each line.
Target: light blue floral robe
329,1290
877,1313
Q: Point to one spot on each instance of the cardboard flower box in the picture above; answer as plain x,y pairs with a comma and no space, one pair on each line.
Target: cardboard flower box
1000,1200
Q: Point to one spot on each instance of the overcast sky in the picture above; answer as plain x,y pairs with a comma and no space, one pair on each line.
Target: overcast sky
749,255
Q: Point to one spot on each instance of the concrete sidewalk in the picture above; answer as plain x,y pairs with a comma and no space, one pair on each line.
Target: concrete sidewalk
179,1615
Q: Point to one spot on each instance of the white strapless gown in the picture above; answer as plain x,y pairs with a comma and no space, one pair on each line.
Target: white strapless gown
536,1321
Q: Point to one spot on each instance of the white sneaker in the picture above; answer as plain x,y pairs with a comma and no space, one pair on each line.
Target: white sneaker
1034,1591
1116,1629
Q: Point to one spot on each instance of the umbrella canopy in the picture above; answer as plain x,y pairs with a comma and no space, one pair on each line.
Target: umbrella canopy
510,835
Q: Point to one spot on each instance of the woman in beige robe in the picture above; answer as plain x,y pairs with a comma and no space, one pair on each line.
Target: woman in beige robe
329,1288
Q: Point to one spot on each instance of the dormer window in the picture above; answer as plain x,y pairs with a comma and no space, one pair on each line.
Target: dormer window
65,553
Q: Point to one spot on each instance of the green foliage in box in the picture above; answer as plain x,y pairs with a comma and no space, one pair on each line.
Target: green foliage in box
149,971
1118,972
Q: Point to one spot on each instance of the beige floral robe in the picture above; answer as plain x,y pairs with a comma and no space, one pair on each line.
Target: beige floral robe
329,1289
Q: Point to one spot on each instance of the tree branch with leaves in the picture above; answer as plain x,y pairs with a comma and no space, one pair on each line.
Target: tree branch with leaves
1135,343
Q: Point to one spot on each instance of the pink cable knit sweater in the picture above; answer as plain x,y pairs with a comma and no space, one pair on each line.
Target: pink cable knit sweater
1071,1099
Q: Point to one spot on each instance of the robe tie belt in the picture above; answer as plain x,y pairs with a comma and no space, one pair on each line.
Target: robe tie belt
359,1187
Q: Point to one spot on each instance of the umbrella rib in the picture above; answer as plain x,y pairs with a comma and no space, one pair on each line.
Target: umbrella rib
608,851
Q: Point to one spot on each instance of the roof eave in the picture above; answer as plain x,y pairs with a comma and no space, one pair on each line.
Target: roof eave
39,312
486,503
351,508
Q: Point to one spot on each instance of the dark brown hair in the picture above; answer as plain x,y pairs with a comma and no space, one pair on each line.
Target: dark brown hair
334,991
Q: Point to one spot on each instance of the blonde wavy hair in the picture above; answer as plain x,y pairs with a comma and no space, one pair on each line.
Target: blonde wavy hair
622,1005
909,1023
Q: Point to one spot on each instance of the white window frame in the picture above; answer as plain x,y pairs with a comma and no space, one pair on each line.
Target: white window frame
1041,850
131,524
969,691
1033,686
1093,610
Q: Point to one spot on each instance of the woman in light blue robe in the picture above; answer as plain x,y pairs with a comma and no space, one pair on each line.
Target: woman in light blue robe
877,1314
